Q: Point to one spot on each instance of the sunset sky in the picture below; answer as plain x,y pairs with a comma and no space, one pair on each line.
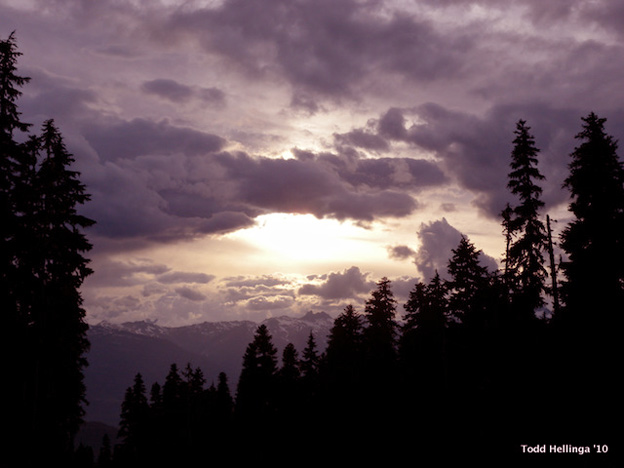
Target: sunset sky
249,159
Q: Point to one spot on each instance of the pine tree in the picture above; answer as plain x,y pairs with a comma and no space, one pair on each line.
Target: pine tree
467,285
105,457
224,396
288,395
344,344
422,350
594,239
525,258
57,330
41,272
380,333
16,348
256,384
290,371
133,426
310,359
344,358
172,389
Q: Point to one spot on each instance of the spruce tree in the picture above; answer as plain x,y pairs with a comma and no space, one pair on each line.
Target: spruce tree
380,334
467,286
594,239
224,403
310,359
42,267
288,394
15,347
343,360
290,364
256,384
525,255
133,426
58,331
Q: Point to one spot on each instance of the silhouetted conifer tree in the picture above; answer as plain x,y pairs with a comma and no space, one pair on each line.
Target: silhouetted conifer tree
468,284
105,456
224,400
343,368
344,354
42,267
593,287
290,364
57,329
594,239
310,359
15,350
256,384
289,384
133,426
172,389
422,345
380,334
528,235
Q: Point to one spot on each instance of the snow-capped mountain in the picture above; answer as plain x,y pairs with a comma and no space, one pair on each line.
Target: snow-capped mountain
120,351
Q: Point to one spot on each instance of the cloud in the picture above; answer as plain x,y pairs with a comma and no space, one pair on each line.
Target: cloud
331,51
269,303
113,273
185,277
121,139
264,280
437,241
400,252
349,283
474,150
179,93
308,185
190,294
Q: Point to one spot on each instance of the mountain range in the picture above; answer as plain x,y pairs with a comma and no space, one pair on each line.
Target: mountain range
120,351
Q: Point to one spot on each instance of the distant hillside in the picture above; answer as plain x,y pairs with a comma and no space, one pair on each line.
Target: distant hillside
119,351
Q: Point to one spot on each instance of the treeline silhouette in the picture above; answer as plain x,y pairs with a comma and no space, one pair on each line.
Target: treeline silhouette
480,363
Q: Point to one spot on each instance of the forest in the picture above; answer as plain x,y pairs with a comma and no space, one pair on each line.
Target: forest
473,371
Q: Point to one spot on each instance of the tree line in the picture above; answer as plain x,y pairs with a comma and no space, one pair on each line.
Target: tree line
472,369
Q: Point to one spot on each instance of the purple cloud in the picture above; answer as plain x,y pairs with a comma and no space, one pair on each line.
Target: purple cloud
349,283
190,294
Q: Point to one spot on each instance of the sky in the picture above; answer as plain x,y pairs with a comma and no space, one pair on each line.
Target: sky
254,159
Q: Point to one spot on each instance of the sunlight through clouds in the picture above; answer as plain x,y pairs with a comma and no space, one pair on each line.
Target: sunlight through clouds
298,238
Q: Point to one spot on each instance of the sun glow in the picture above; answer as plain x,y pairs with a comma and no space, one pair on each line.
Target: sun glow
289,238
